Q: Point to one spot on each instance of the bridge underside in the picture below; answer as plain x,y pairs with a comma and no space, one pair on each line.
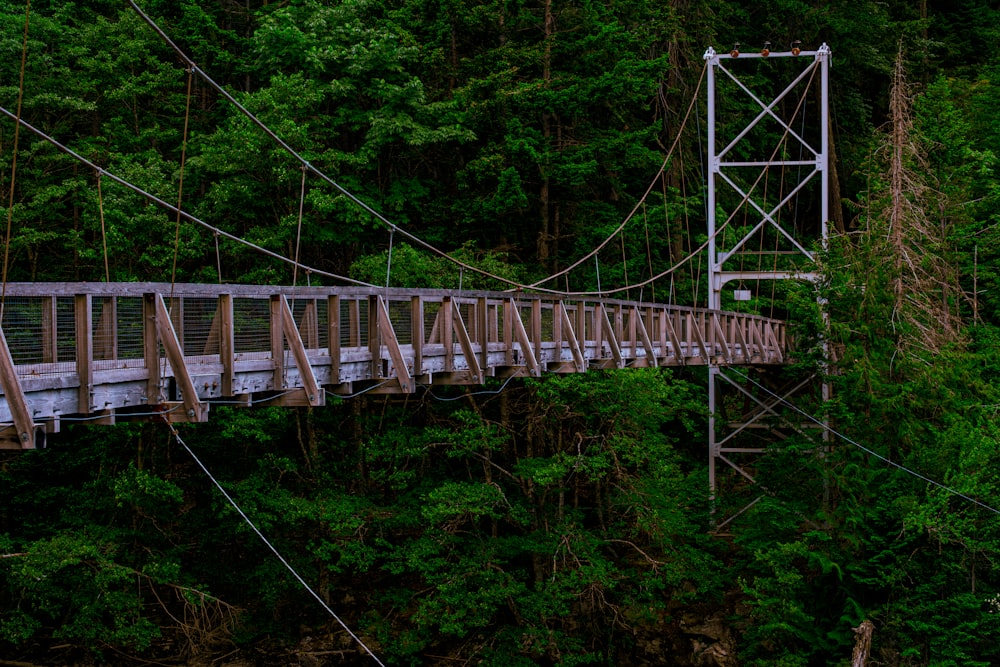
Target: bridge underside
126,351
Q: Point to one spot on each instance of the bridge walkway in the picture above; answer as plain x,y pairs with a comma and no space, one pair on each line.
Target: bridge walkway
104,352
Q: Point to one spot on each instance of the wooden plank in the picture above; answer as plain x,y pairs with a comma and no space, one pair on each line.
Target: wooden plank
608,334
649,319
374,342
696,333
83,320
557,322
212,340
571,339
417,333
277,344
333,335
151,349
227,342
521,336
663,318
106,331
309,326
389,339
493,322
619,323
633,332
719,336
434,338
50,331
354,323
777,356
483,334
536,327
598,330
194,409
508,332
447,317
737,333
644,337
314,393
757,339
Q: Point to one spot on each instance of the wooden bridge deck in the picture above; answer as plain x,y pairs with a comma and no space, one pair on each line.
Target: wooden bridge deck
116,351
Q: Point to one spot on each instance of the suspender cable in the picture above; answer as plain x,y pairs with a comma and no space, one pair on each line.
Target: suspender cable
649,251
168,206
180,184
218,255
13,163
104,233
305,163
388,262
645,195
298,231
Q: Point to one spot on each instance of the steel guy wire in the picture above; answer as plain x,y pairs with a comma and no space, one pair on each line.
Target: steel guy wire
272,548
870,452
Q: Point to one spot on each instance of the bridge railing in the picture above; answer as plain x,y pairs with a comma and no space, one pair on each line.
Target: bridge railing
108,351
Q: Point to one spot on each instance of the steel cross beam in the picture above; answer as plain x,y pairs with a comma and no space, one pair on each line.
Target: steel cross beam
814,62
723,245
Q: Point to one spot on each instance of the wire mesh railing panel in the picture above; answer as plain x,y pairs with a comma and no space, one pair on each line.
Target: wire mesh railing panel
202,326
117,332
354,322
65,331
22,325
252,327
548,322
431,311
130,328
401,317
306,314
104,319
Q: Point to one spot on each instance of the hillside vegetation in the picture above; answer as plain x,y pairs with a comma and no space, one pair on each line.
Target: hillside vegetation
561,521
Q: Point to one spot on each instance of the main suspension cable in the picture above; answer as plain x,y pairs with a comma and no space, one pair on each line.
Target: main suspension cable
170,207
13,164
307,165
642,200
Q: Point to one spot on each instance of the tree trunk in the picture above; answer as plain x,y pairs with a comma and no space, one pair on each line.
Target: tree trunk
862,644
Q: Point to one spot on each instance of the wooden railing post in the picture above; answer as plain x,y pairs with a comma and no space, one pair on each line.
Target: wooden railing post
333,336
417,333
83,318
150,349
227,343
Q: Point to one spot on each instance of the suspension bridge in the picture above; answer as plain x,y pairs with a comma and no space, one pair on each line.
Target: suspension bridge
103,352
107,352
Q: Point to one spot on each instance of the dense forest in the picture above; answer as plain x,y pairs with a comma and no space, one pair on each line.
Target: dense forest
558,521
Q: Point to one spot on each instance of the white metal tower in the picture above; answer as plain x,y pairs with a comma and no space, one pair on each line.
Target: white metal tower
755,212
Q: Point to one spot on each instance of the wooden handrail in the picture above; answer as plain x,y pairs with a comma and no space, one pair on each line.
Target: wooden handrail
228,343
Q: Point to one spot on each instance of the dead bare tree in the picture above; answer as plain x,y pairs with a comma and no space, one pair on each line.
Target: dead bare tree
908,235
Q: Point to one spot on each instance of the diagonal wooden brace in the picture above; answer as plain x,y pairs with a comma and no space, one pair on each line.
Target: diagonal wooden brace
466,343
24,426
314,393
391,342
608,333
574,342
194,409
644,337
521,336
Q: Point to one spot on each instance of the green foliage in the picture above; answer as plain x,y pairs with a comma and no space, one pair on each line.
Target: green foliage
561,521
